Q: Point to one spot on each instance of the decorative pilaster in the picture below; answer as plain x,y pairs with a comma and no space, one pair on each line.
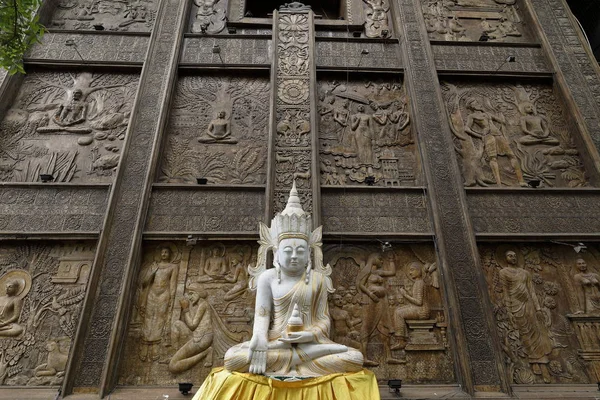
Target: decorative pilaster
294,129
478,356
101,328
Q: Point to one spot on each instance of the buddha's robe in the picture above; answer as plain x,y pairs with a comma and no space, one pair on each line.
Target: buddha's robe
317,358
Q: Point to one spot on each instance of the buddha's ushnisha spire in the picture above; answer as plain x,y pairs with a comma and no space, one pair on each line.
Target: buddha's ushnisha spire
293,205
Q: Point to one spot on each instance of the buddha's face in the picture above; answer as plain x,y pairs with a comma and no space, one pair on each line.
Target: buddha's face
165,253
293,255
581,264
77,94
12,288
528,108
511,258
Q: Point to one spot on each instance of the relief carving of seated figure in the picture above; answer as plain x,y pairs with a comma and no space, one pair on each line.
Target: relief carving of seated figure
218,131
417,307
292,291
535,127
215,266
11,305
73,111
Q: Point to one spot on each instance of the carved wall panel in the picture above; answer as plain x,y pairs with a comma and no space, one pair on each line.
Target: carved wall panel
247,51
389,305
534,212
67,125
512,135
214,210
109,15
106,48
31,209
347,54
489,58
376,18
191,304
545,306
375,211
218,131
42,287
365,134
476,20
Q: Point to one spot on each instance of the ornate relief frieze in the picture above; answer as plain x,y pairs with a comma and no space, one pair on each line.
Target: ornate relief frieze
365,134
180,333
109,15
294,63
475,20
42,287
375,211
233,51
214,210
531,212
582,78
217,131
45,209
69,126
104,48
473,328
512,135
545,300
490,59
388,304
348,54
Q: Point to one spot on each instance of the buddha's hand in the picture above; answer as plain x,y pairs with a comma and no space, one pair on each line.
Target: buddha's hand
299,337
257,354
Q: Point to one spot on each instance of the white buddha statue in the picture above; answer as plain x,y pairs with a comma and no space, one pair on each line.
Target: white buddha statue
291,322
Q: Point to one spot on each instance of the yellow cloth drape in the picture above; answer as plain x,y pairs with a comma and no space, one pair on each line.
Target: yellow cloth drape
225,385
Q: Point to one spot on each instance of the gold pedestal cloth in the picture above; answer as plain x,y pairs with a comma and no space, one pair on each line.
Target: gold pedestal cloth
225,385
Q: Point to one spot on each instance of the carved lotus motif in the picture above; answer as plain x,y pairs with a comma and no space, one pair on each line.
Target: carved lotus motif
293,91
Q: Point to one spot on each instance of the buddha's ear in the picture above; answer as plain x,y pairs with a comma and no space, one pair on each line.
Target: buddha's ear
316,237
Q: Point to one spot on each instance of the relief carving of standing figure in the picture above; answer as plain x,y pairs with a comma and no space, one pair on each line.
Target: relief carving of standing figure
362,126
588,289
525,314
377,321
159,281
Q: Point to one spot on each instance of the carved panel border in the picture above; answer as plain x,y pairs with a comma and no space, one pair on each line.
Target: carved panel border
91,47
490,59
97,348
479,363
347,54
205,210
52,209
233,51
520,212
369,211
581,77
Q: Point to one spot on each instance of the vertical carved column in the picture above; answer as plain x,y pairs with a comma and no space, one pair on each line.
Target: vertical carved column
294,130
478,356
575,69
101,328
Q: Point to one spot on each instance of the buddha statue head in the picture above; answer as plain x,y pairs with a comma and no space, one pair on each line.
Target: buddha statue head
293,242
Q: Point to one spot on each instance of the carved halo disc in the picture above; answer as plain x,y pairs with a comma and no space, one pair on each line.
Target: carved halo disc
19,275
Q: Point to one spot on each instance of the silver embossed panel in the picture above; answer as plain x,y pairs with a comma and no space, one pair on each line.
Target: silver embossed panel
372,212
522,212
31,209
205,210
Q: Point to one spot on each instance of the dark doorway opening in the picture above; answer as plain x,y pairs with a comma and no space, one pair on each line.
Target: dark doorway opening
326,9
